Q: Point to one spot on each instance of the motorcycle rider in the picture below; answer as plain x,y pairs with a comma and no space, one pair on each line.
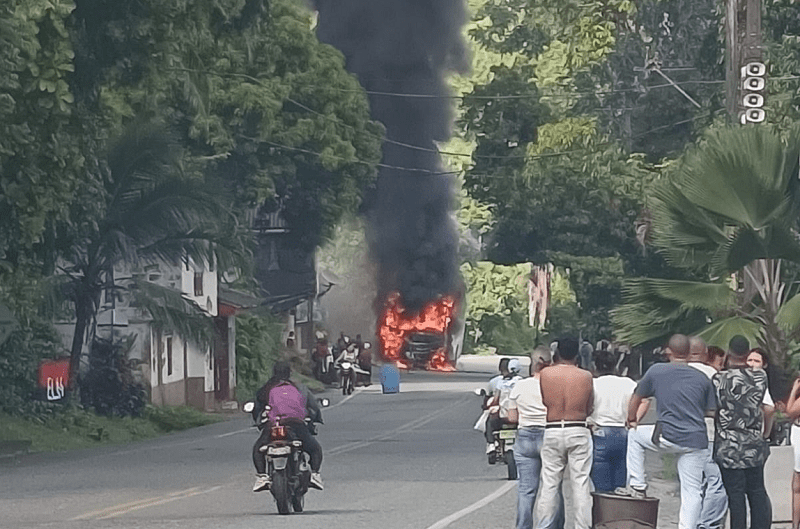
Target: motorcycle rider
500,401
365,363
274,393
492,390
320,354
350,354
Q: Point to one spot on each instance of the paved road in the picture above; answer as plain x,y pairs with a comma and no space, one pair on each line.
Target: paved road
407,460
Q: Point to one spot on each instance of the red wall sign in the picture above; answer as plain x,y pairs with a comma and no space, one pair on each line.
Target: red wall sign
54,378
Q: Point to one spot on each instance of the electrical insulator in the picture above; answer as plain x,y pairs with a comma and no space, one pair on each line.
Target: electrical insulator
753,76
753,100
752,115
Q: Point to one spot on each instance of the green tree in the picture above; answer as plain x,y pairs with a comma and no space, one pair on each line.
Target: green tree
144,210
559,190
42,162
497,302
728,214
261,104
258,344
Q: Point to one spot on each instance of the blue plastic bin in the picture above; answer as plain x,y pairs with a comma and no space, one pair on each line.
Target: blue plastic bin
390,379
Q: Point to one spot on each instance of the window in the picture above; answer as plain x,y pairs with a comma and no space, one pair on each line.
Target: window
169,355
198,283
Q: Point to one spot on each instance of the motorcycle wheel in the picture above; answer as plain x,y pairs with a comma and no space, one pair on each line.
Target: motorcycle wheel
298,500
349,386
344,387
280,490
512,465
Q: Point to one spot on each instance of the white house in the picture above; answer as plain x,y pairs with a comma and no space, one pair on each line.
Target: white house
177,370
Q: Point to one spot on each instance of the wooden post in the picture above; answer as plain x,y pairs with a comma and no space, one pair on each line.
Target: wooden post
742,46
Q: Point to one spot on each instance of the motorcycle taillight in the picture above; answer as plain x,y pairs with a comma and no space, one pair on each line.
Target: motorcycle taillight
278,432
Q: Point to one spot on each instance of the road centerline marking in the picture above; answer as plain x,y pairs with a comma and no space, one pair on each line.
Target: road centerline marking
486,500
102,512
156,502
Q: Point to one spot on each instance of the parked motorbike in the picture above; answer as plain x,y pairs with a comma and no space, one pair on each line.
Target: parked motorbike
288,466
504,439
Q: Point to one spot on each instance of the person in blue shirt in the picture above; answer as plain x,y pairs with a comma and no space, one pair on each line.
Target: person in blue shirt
683,396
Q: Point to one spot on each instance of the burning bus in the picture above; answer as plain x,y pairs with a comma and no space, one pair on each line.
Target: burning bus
429,339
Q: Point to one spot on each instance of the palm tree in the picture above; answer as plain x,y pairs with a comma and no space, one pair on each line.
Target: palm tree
729,215
145,209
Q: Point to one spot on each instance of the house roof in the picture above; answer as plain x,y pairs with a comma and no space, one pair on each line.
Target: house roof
237,299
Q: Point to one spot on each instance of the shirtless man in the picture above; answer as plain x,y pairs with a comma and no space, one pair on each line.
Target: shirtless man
567,393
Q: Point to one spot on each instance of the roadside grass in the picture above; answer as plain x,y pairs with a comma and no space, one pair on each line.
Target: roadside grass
75,428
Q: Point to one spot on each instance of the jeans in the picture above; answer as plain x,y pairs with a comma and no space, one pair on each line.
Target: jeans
715,499
610,449
741,482
298,430
691,462
561,447
527,455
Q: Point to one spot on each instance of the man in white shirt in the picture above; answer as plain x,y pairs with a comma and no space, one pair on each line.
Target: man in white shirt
715,499
492,390
526,409
612,395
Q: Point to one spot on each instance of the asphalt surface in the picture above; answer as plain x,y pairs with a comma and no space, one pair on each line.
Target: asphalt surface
405,460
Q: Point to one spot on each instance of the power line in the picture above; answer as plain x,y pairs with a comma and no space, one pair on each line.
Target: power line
446,173
356,160
520,96
437,151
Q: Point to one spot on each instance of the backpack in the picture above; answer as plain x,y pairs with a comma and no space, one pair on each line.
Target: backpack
286,401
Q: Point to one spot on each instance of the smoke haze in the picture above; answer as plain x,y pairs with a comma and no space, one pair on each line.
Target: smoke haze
406,47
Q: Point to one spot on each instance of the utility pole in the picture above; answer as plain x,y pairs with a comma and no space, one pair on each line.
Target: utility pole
745,71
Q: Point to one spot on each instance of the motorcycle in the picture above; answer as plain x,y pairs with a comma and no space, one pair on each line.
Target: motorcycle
504,439
347,375
288,466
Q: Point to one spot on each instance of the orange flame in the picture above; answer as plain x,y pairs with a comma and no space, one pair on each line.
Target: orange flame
438,361
395,324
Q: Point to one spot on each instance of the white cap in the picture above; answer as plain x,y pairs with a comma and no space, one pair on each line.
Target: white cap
513,365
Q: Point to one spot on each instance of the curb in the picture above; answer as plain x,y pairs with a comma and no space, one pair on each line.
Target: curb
9,449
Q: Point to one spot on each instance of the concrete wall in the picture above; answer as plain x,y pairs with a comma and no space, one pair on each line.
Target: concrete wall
208,299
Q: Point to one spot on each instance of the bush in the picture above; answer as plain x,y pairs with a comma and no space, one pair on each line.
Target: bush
20,356
258,347
109,387
33,340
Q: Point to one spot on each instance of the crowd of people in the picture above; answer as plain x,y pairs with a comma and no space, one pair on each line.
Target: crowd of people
713,411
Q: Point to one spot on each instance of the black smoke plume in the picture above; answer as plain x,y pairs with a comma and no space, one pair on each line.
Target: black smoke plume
406,47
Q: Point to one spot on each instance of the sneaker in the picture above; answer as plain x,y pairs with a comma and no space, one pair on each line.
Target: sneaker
631,492
489,448
262,483
316,481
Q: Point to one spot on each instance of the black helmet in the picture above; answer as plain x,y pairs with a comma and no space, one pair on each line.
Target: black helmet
281,370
